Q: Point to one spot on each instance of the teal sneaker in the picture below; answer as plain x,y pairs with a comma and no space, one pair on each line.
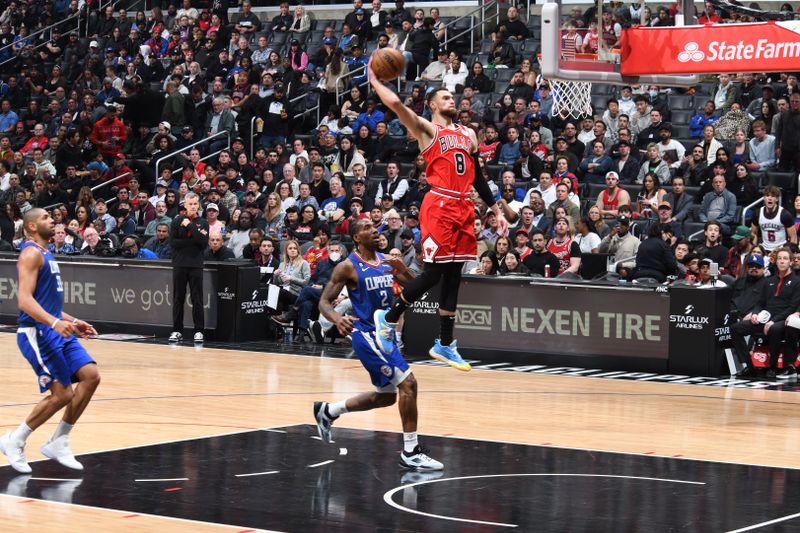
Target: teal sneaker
384,331
449,355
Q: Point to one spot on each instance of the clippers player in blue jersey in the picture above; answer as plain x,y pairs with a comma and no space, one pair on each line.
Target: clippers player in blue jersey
368,277
46,339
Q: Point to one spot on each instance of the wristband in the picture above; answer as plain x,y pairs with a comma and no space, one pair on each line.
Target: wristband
56,321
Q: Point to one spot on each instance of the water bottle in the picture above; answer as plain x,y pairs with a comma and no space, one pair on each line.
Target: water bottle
287,335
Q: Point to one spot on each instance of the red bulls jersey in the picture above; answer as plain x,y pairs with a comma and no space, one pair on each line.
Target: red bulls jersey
449,158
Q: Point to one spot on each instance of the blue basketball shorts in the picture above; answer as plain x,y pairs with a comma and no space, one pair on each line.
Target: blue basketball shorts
385,371
52,356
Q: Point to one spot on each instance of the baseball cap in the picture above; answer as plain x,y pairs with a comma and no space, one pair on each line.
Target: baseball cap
387,197
665,126
665,205
120,155
165,124
612,174
362,181
388,24
706,261
213,206
767,87
757,260
329,40
359,11
560,139
412,215
624,220
187,129
94,44
97,165
356,199
279,85
110,49
162,183
742,232
442,50
294,42
521,231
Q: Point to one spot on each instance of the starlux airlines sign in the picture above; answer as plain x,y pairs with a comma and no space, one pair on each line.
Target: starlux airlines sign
768,46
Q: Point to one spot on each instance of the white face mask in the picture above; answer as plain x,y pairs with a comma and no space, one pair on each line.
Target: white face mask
335,256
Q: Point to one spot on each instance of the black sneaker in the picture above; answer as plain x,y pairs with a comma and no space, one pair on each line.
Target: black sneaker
315,331
787,373
324,421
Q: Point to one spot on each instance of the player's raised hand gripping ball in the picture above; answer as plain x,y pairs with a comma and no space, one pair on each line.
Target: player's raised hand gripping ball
387,63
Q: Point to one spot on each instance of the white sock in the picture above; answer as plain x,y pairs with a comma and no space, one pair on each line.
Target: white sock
409,441
62,429
337,409
22,433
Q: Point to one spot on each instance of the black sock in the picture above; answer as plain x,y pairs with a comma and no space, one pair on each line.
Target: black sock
446,324
397,309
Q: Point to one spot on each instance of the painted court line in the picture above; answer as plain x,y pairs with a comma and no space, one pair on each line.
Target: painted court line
323,463
388,496
54,479
259,473
764,524
163,479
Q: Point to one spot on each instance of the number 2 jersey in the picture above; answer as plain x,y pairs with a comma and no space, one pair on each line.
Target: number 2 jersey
373,292
49,292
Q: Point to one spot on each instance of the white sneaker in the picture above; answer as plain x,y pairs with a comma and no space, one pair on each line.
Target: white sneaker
419,460
15,452
58,450
198,338
175,337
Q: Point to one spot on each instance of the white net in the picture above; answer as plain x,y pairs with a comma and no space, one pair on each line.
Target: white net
571,98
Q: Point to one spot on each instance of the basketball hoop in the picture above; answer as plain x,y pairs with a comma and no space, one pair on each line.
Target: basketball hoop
571,98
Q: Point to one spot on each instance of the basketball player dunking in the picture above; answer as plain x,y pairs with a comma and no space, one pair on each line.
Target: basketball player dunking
446,215
46,339
369,278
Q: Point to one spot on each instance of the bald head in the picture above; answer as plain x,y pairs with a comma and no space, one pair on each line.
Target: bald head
37,222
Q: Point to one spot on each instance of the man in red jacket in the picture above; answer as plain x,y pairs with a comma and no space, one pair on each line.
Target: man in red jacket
109,134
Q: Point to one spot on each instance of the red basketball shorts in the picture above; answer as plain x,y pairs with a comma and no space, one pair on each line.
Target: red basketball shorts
447,229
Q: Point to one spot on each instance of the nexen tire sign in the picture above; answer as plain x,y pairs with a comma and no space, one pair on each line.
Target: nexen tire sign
763,46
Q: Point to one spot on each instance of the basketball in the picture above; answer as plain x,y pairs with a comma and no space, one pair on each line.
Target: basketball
387,63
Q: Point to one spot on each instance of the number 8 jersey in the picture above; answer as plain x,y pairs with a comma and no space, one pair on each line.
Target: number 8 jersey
450,167
447,212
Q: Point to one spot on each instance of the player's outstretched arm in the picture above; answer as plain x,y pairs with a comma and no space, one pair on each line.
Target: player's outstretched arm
420,128
30,261
342,274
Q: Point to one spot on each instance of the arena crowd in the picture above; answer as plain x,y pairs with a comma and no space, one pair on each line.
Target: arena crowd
110,122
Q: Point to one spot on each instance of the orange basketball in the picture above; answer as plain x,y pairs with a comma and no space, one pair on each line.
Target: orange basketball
387,63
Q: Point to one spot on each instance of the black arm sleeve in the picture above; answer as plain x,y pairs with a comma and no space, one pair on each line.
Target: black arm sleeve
480,184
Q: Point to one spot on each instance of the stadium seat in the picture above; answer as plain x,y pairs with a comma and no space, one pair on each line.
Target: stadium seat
681,117
786,182
690,228
593,191
680,130
486,46
504,74
681,101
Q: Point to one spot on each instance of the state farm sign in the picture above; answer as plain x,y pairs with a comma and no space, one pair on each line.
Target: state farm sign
758,47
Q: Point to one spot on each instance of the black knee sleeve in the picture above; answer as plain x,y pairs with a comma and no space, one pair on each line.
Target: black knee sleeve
450,283
431,274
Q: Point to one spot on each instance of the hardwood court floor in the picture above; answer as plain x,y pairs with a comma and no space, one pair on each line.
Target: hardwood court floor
153,394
